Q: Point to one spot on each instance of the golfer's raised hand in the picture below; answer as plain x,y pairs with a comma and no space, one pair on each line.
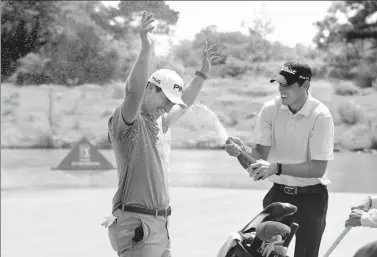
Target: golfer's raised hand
208,55
233,146
144,28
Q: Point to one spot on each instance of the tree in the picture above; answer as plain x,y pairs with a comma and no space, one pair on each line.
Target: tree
347,20
118,21
79,40
24,28
260,23
361,28
349,38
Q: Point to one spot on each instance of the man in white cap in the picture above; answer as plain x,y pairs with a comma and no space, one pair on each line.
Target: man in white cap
138,130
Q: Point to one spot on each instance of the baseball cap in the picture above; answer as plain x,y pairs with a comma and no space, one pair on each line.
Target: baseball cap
170,83
292,72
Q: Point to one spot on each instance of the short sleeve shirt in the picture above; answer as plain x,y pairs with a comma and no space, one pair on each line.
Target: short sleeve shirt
296,138
141,151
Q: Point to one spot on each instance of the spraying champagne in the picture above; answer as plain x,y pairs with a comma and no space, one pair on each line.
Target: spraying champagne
244,158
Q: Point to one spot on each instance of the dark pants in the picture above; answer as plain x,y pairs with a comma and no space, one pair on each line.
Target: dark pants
310,216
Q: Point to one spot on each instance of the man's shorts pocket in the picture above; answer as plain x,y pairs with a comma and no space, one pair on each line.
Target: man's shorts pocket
127,231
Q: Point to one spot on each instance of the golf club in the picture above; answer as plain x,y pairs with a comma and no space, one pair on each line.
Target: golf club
337,241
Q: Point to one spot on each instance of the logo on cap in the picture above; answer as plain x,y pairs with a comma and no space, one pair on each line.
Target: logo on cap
156,80
287,69
177,87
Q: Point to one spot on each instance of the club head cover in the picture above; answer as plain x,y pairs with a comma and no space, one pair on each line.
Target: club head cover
281,250
278,210
267,231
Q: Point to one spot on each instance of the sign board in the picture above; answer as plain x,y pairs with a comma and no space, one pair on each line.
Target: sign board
84,156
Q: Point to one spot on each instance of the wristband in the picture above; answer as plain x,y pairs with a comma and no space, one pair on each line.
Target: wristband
279,169
201,74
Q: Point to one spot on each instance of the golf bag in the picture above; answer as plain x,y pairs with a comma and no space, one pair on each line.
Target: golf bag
252,240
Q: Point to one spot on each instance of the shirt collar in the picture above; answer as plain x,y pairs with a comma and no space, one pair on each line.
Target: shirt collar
306,108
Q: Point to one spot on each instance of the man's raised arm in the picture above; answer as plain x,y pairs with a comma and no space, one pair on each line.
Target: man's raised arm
138,77
193,88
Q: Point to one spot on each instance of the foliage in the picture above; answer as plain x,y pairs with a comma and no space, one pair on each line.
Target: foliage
345,88
348,36
73,42
350,112
25,27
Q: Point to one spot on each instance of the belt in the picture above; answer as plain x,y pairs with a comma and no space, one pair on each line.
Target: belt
291,190
153,212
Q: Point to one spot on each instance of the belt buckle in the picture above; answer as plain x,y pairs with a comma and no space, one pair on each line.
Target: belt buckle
155,213
290,190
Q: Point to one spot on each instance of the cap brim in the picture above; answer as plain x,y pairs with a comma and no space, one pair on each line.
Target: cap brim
279,78
175,99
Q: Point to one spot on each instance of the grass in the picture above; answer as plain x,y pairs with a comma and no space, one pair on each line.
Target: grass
196,222
29,122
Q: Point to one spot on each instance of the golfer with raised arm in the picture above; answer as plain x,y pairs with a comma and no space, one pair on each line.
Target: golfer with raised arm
139,133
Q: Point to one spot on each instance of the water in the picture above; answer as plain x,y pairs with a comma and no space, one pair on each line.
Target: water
202,128
30,169
214,120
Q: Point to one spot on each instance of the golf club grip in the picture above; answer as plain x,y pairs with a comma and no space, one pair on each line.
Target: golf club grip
337,241
294,227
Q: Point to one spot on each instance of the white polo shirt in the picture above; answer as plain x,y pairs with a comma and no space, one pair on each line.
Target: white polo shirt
296,138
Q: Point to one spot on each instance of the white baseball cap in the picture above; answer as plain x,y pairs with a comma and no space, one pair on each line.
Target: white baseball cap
170,83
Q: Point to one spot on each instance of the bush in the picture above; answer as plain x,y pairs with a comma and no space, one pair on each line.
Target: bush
233,67
159,62
373,144
43,141
345,88
33,70
85,55
350,113
374,84
186,54
341,59
365,75
117,89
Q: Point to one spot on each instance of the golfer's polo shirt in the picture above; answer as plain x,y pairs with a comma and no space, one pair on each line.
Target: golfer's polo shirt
141,152
296,138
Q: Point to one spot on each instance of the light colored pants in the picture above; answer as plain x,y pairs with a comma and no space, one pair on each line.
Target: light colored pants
154,243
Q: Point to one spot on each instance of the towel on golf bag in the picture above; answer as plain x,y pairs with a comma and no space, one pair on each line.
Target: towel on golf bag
229,243
267,239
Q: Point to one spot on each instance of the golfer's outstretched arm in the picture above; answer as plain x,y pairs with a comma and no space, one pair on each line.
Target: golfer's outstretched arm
138,77
191,91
